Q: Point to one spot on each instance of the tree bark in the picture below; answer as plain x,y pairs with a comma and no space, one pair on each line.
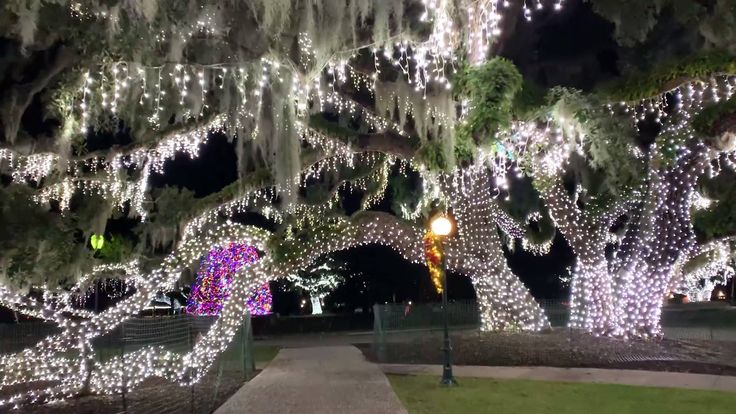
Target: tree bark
19,97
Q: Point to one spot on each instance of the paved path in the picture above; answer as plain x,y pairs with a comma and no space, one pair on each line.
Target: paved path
335,379
604,376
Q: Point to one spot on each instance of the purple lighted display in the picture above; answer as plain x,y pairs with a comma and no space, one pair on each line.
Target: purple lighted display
215,277
260,303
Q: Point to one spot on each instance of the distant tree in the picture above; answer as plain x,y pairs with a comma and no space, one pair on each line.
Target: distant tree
321,278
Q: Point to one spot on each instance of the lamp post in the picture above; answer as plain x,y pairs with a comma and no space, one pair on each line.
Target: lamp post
442,226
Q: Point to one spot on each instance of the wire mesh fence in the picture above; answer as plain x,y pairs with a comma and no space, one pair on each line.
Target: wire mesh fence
428,316
15,337
701,333
412,334
463,314
176,333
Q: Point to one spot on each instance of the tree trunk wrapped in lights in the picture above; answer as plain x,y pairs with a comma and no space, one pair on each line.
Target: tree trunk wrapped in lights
661,238
621,292
592,303
477,251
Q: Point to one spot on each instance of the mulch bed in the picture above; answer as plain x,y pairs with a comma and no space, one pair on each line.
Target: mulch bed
563,348
155,395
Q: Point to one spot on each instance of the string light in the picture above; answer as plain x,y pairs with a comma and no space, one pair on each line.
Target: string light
622,294
433,253
619,296
215,278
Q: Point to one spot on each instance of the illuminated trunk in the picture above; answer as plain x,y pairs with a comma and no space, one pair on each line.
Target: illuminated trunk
622,295
659,239
316,301
504,301
592,303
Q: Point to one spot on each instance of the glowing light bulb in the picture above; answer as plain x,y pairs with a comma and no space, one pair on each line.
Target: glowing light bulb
442,226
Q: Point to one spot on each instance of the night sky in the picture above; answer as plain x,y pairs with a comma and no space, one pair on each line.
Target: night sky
387,275
572,48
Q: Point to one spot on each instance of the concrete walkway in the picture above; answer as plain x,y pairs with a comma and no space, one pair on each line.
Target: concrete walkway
335,379
592,375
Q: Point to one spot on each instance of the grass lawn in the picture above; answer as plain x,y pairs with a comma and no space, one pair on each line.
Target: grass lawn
263,353
423,394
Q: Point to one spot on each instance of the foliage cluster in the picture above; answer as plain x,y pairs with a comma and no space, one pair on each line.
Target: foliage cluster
490,90
523,200
603,139
432,156
37,246
117,249
720,219
705,122
708,24
667,76
286,247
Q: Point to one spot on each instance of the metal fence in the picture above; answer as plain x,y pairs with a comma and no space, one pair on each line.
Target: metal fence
15,337
177,333
409,334
701,333
463,314
396,317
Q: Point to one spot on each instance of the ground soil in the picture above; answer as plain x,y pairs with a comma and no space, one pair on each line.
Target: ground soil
562,348
155,395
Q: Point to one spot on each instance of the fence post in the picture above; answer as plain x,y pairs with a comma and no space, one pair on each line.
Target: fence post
190,343
379,340
249,363
213,406
122,357
242,349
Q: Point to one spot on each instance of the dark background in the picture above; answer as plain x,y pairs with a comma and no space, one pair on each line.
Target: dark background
572,47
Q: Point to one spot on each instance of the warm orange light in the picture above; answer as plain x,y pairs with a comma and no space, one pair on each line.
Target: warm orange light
441,226
433,254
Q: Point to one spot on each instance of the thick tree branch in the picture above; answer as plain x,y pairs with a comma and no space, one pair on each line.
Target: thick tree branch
563,210
506,223
151,139
19,97
387,142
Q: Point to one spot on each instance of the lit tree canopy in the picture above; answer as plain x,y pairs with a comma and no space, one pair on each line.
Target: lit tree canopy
322,277
352,122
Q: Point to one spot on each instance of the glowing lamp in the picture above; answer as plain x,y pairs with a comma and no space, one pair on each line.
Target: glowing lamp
441,226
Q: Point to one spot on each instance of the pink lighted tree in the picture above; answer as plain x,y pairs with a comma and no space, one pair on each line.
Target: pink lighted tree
215,278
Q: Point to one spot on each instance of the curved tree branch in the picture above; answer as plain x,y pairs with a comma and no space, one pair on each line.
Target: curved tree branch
17,99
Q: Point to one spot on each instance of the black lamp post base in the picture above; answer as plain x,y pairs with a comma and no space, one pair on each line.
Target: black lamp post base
448,380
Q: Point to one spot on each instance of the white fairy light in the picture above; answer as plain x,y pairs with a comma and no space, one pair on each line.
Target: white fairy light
623,295
698,284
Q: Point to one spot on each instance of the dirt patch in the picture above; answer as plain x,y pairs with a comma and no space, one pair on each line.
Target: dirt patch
155,395
562,348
